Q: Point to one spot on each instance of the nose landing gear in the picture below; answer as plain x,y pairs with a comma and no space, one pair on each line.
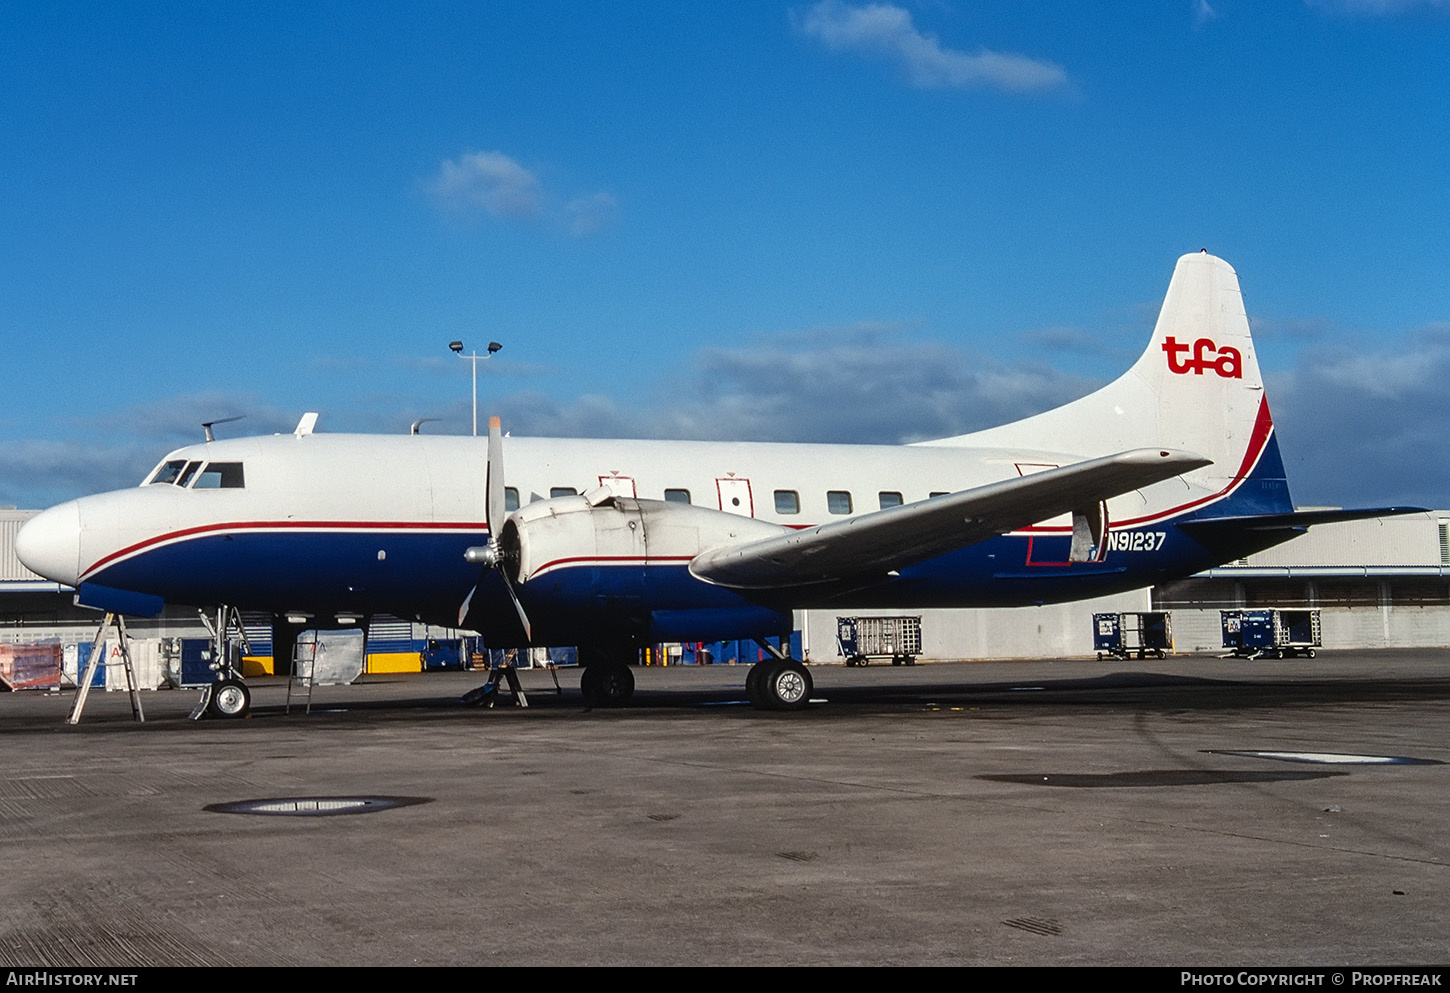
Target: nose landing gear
229,698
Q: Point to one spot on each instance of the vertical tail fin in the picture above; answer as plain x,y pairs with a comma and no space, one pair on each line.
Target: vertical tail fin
1196,388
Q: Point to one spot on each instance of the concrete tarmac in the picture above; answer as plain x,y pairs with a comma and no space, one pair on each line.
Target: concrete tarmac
1039,813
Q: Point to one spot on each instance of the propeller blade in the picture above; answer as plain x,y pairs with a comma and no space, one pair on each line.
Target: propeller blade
496,513
518,606
463,610
494,485
523,617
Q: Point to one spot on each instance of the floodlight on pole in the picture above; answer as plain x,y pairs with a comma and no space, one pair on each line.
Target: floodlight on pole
457,347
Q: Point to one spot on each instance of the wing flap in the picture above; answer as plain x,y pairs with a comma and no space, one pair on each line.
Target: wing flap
876,543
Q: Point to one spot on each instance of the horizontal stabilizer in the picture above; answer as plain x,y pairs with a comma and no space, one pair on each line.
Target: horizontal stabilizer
1297,520
874,544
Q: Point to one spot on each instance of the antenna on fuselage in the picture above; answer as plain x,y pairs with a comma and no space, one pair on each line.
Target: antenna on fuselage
206,425
420,422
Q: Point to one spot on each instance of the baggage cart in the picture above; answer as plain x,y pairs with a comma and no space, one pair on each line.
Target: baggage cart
861,639
1271,632
1132,635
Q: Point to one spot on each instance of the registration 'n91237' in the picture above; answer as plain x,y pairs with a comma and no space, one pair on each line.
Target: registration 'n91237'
1136,541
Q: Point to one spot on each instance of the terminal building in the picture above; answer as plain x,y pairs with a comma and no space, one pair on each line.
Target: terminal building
1379,583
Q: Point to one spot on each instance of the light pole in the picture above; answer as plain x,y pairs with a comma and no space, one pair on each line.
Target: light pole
457,347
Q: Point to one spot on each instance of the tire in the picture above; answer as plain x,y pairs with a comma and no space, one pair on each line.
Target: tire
230,699
784,685
607,685
752,683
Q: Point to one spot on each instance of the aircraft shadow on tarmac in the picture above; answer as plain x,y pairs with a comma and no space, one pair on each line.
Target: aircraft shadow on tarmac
841,692
838,690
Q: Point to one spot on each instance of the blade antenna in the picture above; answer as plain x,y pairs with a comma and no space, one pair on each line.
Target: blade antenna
207,425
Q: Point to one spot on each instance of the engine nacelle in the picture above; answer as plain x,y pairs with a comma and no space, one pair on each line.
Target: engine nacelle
602,531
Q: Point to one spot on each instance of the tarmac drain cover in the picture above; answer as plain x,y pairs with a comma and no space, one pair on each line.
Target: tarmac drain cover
315,806
1037,925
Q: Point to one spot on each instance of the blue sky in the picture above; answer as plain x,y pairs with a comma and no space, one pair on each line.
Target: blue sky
813,221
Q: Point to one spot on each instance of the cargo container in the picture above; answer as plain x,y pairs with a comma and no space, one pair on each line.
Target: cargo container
861,639
1132,634
1272,632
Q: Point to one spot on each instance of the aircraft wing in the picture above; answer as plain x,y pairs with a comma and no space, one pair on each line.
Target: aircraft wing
879,542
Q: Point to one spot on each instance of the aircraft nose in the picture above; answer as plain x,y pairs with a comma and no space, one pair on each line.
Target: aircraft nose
49,544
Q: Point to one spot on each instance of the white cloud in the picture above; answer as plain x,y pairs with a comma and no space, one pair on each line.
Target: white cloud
37,474
887,31
1203,13
867,383
117,450
488,181
1364,428
494,184
1356,428
589,215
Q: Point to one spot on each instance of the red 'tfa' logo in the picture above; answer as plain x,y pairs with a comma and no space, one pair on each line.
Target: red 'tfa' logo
1229,363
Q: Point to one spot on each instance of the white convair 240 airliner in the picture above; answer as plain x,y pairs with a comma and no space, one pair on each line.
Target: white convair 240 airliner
610,545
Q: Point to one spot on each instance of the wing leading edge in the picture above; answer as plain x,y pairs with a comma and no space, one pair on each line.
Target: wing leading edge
877,543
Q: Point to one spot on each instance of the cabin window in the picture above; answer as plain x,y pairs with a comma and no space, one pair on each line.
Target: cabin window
677,496
510,499
937,493
220,476
889,498
838,502
558,491
185,478
167,472
787,502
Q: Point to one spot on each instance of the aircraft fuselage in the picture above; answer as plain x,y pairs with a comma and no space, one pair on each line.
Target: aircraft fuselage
327,525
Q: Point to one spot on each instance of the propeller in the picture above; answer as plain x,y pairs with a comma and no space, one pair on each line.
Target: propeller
492,555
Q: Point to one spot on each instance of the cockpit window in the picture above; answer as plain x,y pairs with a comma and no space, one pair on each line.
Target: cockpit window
219,476
167,472
185,478
215,475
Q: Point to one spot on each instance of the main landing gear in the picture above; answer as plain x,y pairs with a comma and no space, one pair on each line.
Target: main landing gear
778,684
607,680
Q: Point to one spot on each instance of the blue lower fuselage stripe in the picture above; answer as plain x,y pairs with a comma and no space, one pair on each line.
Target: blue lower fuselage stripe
420,574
